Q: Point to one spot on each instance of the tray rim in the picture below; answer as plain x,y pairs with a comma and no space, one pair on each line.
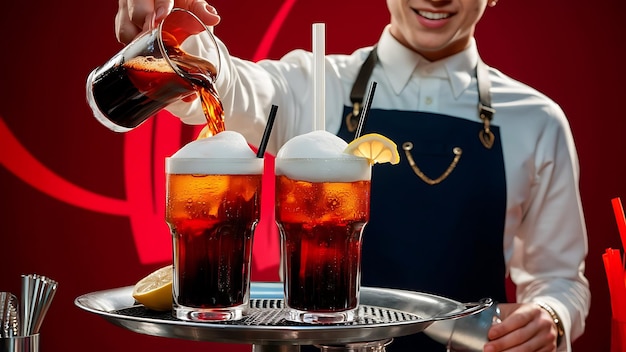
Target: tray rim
265,334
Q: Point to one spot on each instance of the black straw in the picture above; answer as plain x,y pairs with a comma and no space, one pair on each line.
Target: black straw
366,109
267,132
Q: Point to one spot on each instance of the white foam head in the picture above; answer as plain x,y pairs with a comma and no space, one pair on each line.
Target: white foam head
226,153
319,156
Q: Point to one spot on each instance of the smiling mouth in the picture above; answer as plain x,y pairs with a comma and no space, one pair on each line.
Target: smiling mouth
433,15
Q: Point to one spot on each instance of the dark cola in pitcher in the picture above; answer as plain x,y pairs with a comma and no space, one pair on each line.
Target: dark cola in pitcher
131,91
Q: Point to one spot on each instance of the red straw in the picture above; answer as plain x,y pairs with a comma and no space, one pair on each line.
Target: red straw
621,219
618,335
617,288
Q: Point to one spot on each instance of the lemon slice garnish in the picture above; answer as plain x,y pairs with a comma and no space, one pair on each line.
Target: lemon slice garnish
155,290
375,147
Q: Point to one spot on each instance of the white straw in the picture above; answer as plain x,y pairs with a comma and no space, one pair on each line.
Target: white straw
319,49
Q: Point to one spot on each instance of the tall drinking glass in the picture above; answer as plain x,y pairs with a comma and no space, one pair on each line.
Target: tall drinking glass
212,210
322,206
177,59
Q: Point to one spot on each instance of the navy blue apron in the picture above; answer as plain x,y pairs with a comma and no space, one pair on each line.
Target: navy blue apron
447,238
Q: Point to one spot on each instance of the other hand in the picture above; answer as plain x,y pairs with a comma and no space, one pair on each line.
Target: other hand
524,327
137,16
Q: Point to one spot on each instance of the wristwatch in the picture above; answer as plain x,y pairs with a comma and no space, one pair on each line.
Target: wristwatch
557,321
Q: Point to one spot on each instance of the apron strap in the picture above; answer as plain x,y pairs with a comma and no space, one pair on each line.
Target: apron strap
358,89
485,111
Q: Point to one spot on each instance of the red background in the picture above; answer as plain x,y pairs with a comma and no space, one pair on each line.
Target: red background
567,49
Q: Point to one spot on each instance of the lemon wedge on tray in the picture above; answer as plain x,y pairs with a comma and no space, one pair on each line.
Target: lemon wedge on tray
375,147
155,290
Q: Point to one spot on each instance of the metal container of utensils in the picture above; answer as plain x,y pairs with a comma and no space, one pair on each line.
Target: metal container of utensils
21,319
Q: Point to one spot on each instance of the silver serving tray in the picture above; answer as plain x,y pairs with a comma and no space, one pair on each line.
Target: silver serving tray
383,314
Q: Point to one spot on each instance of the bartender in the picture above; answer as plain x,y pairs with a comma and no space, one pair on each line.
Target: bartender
487,186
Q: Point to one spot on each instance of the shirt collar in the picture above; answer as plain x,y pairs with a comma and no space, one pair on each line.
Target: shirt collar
400,63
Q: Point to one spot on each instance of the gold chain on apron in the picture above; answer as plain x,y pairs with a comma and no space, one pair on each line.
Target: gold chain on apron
485,112
457,151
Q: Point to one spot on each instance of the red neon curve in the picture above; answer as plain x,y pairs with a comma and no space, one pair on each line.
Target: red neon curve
25,166
272,31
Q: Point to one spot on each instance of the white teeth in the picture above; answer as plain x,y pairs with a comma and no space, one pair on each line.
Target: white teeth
433,15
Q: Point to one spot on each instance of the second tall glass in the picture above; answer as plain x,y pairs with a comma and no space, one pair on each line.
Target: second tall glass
321,219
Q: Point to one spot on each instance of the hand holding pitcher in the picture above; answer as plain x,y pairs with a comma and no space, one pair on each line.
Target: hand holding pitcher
137,16
176,60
